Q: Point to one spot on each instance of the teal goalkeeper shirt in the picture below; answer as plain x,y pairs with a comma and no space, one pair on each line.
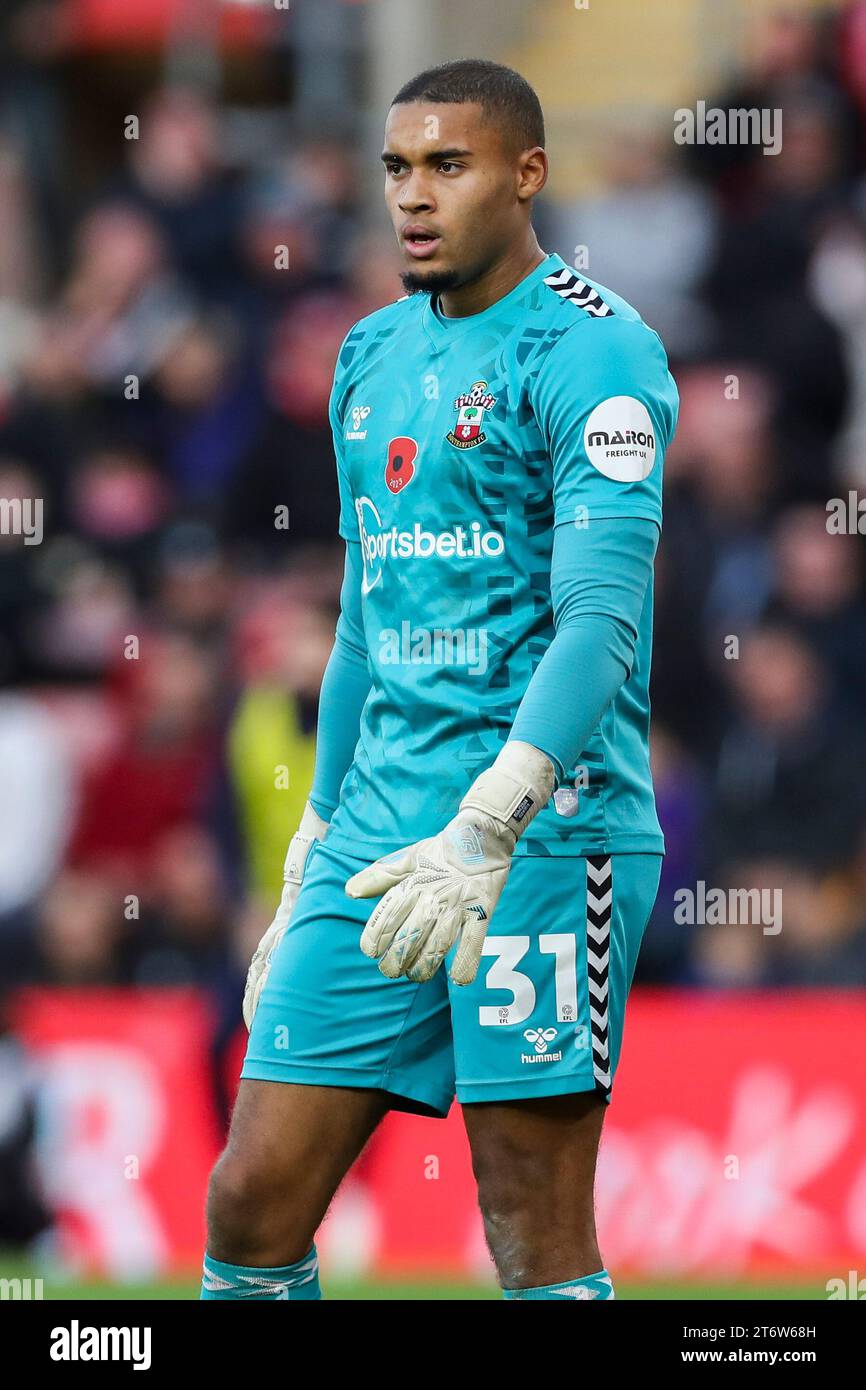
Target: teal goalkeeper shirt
474,457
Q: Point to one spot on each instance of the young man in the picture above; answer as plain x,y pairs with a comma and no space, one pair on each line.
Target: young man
499,435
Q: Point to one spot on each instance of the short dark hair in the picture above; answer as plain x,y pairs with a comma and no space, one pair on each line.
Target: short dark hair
500,91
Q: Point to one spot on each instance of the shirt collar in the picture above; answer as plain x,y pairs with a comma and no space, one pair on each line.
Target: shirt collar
441,329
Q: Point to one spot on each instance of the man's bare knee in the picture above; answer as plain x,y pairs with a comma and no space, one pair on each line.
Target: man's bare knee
289,1148
534,1163
251,1219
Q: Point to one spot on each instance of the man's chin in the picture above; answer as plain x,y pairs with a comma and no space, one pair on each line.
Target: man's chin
429,281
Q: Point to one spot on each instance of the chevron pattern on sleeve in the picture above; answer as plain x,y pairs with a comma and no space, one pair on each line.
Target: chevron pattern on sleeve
570,286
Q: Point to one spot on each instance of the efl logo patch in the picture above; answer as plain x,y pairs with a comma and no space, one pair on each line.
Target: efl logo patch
470,407
400,468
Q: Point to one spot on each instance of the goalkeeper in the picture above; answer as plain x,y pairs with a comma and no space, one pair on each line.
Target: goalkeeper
467,892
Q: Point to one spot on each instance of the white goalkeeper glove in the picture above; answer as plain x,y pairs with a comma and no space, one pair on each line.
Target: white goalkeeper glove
311,828
446,888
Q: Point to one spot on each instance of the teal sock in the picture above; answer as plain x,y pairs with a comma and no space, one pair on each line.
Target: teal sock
297,1281
589,1286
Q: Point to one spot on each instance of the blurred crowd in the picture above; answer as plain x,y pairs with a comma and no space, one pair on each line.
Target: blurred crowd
752,267
164,379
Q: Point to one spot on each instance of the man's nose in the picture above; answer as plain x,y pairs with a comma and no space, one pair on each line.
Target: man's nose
416,195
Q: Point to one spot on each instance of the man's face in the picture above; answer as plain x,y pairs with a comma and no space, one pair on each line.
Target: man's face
451,187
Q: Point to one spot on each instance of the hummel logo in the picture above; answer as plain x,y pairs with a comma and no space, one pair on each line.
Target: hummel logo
540,1036
359,415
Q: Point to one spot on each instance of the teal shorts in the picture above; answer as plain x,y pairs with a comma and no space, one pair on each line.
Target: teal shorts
543,1017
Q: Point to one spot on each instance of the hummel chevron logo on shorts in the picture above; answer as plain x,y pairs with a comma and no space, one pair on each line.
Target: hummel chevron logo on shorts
599,898
569,286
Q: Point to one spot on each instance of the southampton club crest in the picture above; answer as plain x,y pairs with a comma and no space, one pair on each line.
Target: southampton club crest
470,409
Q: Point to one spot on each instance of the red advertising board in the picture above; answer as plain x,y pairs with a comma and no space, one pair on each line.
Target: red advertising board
126,1123
735,1145
736,1142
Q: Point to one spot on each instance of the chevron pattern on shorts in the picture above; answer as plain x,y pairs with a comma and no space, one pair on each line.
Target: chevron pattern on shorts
569,286
599,899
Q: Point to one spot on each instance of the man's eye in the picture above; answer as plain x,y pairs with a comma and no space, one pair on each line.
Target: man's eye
393,168
448,164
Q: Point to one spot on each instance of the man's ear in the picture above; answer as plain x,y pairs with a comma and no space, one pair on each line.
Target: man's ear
532,172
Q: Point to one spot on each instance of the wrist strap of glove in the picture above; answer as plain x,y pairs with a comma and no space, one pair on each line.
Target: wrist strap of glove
515,788
311,828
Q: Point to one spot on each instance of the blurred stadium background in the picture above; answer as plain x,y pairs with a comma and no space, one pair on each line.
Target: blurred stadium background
164,377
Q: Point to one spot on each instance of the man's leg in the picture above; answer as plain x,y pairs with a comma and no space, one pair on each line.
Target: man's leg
537,1038
534,1161
333,1045
288,1150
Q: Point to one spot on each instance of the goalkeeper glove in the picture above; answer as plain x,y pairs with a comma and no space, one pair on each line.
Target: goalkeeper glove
446,888
312,828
